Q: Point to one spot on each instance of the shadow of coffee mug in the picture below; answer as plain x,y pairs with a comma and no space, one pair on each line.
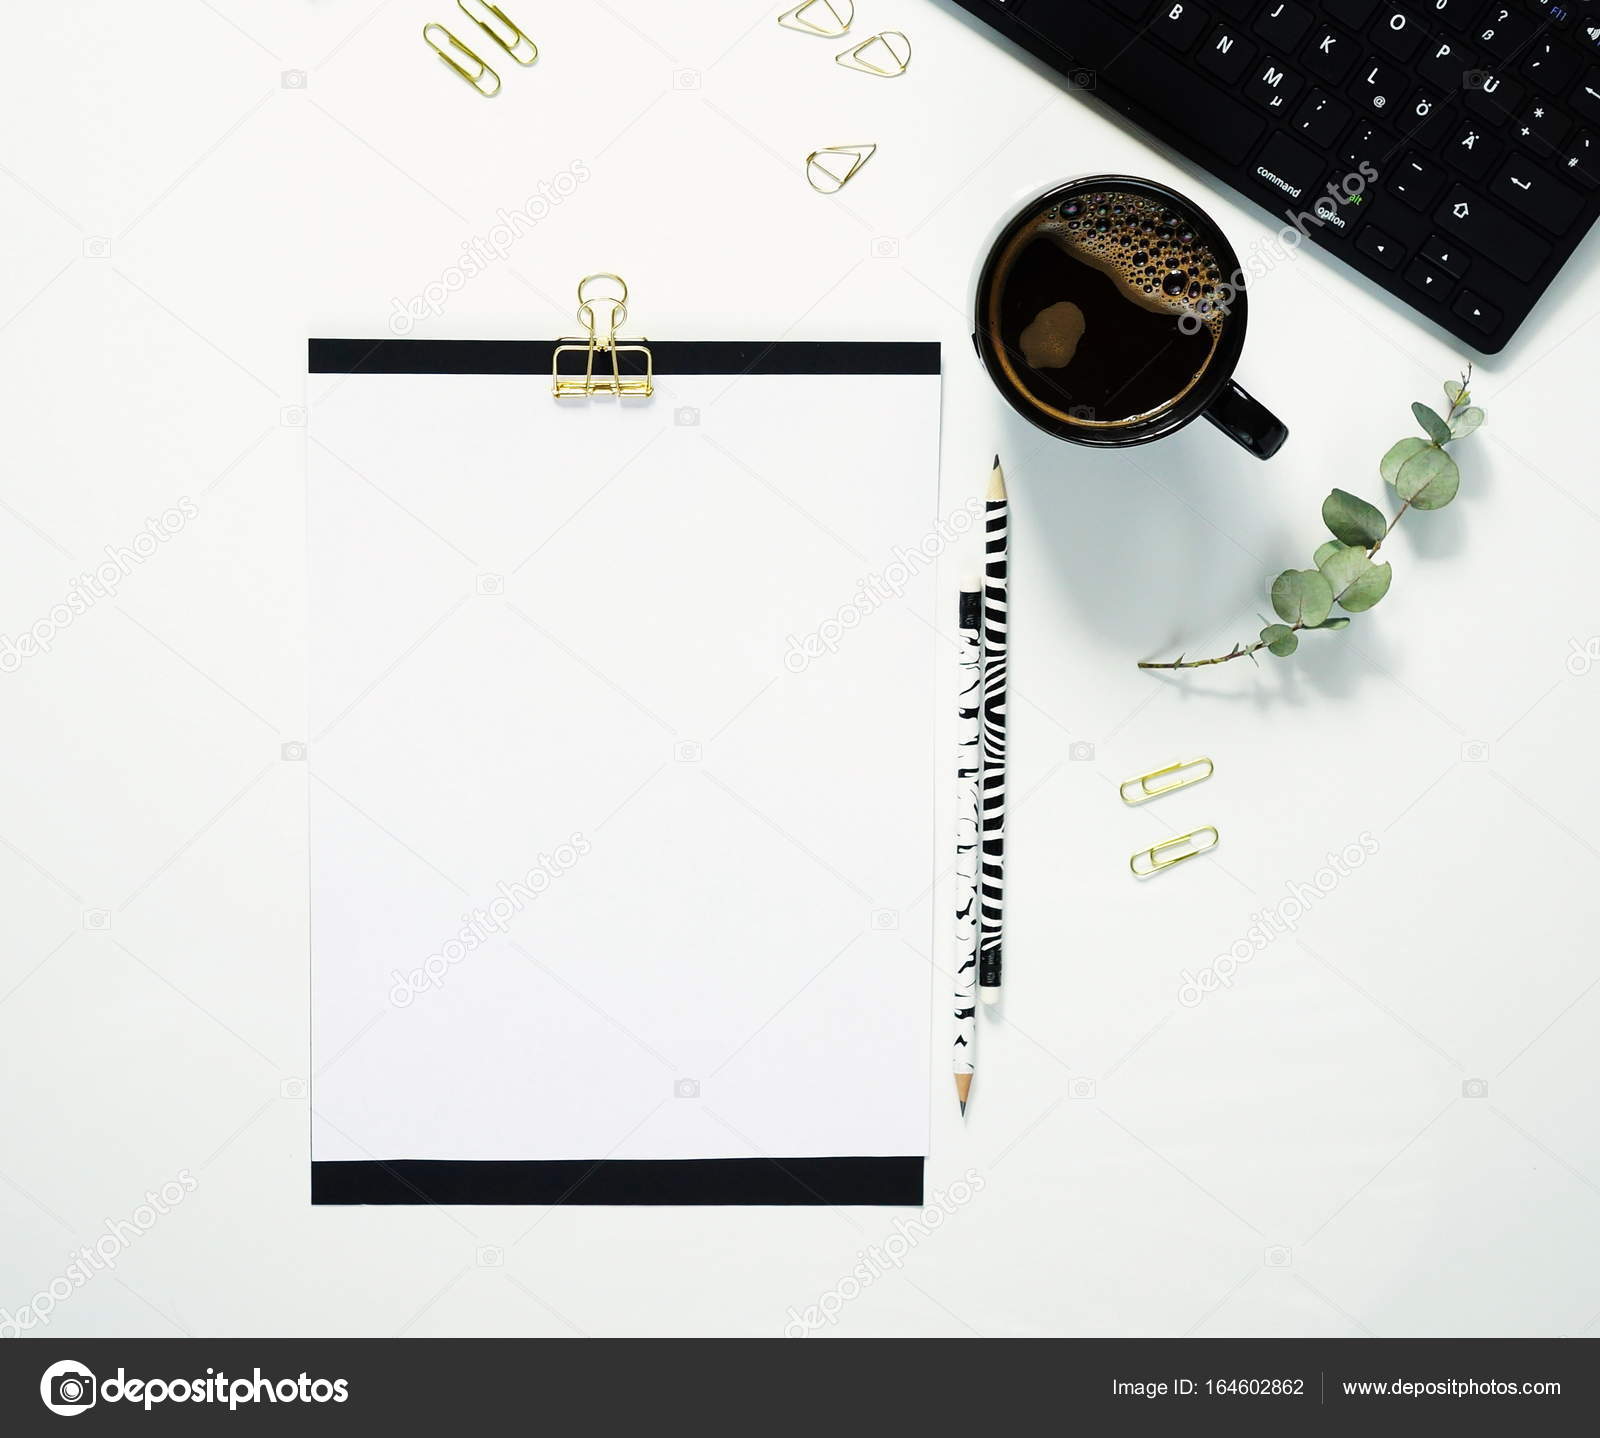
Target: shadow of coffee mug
1121,238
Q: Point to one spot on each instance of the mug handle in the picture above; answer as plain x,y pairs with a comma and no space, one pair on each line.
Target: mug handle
1247,421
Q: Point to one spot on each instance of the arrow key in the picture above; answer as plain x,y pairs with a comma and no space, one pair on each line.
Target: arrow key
1445,255
1429,280
1378,246
1478,313
1489,229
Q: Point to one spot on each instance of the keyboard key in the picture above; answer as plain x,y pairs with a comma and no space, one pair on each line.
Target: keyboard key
1492,95
1397,34
1457,14
1331,56
1504,32
1444,65
1321,120
1378,86
1429,280
1552,64
1416,181
1367,145
1445,255
1489,230
1586,98
1283,24
1354,13
1533,193
1226,55
1424,119
1288,167
1472,149
1273,86
1478,313
1582,159
1379,246
1179,23
1542,127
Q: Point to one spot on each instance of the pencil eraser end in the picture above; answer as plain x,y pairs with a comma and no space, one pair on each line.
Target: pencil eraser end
989,996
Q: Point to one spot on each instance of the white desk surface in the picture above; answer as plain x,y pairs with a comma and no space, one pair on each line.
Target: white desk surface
1386,1124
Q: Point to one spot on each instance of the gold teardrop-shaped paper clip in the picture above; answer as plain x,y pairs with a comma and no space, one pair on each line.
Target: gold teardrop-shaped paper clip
1138,789
828,18
511,43
888,53
1195,841
472,77
859,155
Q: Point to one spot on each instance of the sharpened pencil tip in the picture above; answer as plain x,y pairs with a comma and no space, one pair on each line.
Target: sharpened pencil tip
997,483
963,1108
997,461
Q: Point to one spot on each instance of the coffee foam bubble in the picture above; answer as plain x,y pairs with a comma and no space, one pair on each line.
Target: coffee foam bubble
1155,254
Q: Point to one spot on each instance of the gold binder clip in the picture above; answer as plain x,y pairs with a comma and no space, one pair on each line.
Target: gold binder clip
513,45
602,340
833,18
1157,864
859,155
1141,789
472,77
887,53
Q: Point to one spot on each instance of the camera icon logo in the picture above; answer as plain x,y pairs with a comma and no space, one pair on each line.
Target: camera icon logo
491,1256
685,79
687,752
1081,750
1081,1088
97,919
1475,751
1082,80
292,416
293,1088
1475,80
1277,1256
294,751
97,247
67,1388
292,79
686,416
686,1088
884,920
491,584
886,247
1474,1088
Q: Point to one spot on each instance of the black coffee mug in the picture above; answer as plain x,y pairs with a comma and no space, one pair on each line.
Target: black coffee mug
1211,298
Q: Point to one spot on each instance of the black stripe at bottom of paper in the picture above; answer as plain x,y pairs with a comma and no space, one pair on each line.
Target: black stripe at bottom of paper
754,1181
533,357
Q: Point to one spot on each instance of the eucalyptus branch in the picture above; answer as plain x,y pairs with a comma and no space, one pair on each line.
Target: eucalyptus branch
1423,476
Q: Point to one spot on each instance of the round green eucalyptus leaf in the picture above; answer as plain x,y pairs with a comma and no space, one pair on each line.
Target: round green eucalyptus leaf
1339,622
1453,390
1432,425
1301,596
1465,422
1367,589
1352,519
1429,480
1280,640
1333,546
1341,570
1398,454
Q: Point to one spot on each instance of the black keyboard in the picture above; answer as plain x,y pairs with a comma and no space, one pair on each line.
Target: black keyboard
1479,123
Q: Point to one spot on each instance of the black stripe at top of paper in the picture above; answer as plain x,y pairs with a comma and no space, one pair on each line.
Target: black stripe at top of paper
533,357
746,1181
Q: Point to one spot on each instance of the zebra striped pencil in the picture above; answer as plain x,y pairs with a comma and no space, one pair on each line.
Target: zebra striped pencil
997,543
969,766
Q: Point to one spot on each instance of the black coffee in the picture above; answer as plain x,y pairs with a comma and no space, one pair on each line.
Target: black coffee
1103,311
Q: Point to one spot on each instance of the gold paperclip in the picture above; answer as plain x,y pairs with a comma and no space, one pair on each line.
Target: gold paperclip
1158,864
840,13
518,37
859,155
1144,791
472,78
891,57
601,340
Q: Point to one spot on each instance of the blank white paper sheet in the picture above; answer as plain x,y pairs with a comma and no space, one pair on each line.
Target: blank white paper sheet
621,775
